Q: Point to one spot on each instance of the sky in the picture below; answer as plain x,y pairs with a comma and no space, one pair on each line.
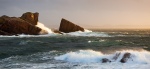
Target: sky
90,14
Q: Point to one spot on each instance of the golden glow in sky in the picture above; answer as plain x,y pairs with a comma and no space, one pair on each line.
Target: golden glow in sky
86,13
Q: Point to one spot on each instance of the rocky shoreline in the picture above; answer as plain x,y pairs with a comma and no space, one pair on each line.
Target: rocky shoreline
26,24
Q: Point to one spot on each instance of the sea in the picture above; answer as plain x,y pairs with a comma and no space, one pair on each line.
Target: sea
76,50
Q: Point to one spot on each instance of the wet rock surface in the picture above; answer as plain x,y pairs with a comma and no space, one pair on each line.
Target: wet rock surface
19,25
67,26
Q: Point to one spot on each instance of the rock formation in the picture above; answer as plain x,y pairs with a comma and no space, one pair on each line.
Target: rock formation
116,56
67,26
30,17
4,33
14,25
125,57
105,60
26,24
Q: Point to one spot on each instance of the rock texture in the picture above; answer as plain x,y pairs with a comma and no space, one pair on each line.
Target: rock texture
30,17
14,25
125,57
116,56
105,60
26,24
67,26
4,33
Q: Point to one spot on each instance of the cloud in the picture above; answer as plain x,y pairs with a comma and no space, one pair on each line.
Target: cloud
83,12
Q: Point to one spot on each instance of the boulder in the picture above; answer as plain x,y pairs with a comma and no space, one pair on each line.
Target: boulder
105,60
125,57
67,26
14,25
30,17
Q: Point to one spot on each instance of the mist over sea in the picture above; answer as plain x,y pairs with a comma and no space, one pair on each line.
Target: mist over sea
76,50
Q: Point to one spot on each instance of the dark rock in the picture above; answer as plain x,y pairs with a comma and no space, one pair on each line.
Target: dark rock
30,17
125,57
105,60
3,18
67,26
4,33
13,25
116,56
57,31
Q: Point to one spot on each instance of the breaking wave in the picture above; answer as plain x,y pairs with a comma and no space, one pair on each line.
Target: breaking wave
43,27
88,56
46,32
88,34
82,59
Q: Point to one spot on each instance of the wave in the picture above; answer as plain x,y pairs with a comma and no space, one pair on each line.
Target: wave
82,59
88,56
43,27
88,34
48,32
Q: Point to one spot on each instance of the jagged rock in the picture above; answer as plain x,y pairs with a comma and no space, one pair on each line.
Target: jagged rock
14,25
105,60
116,56
67,26
125,57
4,33
30,17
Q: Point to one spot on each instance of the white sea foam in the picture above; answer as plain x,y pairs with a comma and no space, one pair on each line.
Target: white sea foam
86,30
94,56
82,59
88,34
44,28
48,32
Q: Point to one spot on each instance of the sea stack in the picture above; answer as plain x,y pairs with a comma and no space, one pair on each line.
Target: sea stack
26,24
67,26
30,17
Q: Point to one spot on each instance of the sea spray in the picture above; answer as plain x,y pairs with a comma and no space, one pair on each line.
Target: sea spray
81,56
44,28
88,56
89,33
86,30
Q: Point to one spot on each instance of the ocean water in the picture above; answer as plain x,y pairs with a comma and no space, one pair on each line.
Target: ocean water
76,50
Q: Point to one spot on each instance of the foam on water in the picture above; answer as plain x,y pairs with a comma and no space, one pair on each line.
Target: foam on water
82,59
89,56
88,33
42,26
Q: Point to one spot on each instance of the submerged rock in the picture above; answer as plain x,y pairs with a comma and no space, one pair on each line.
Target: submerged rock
125,57
105,60
30,17
67,26
116,56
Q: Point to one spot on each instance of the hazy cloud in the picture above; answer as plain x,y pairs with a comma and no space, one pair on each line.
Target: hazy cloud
88,13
